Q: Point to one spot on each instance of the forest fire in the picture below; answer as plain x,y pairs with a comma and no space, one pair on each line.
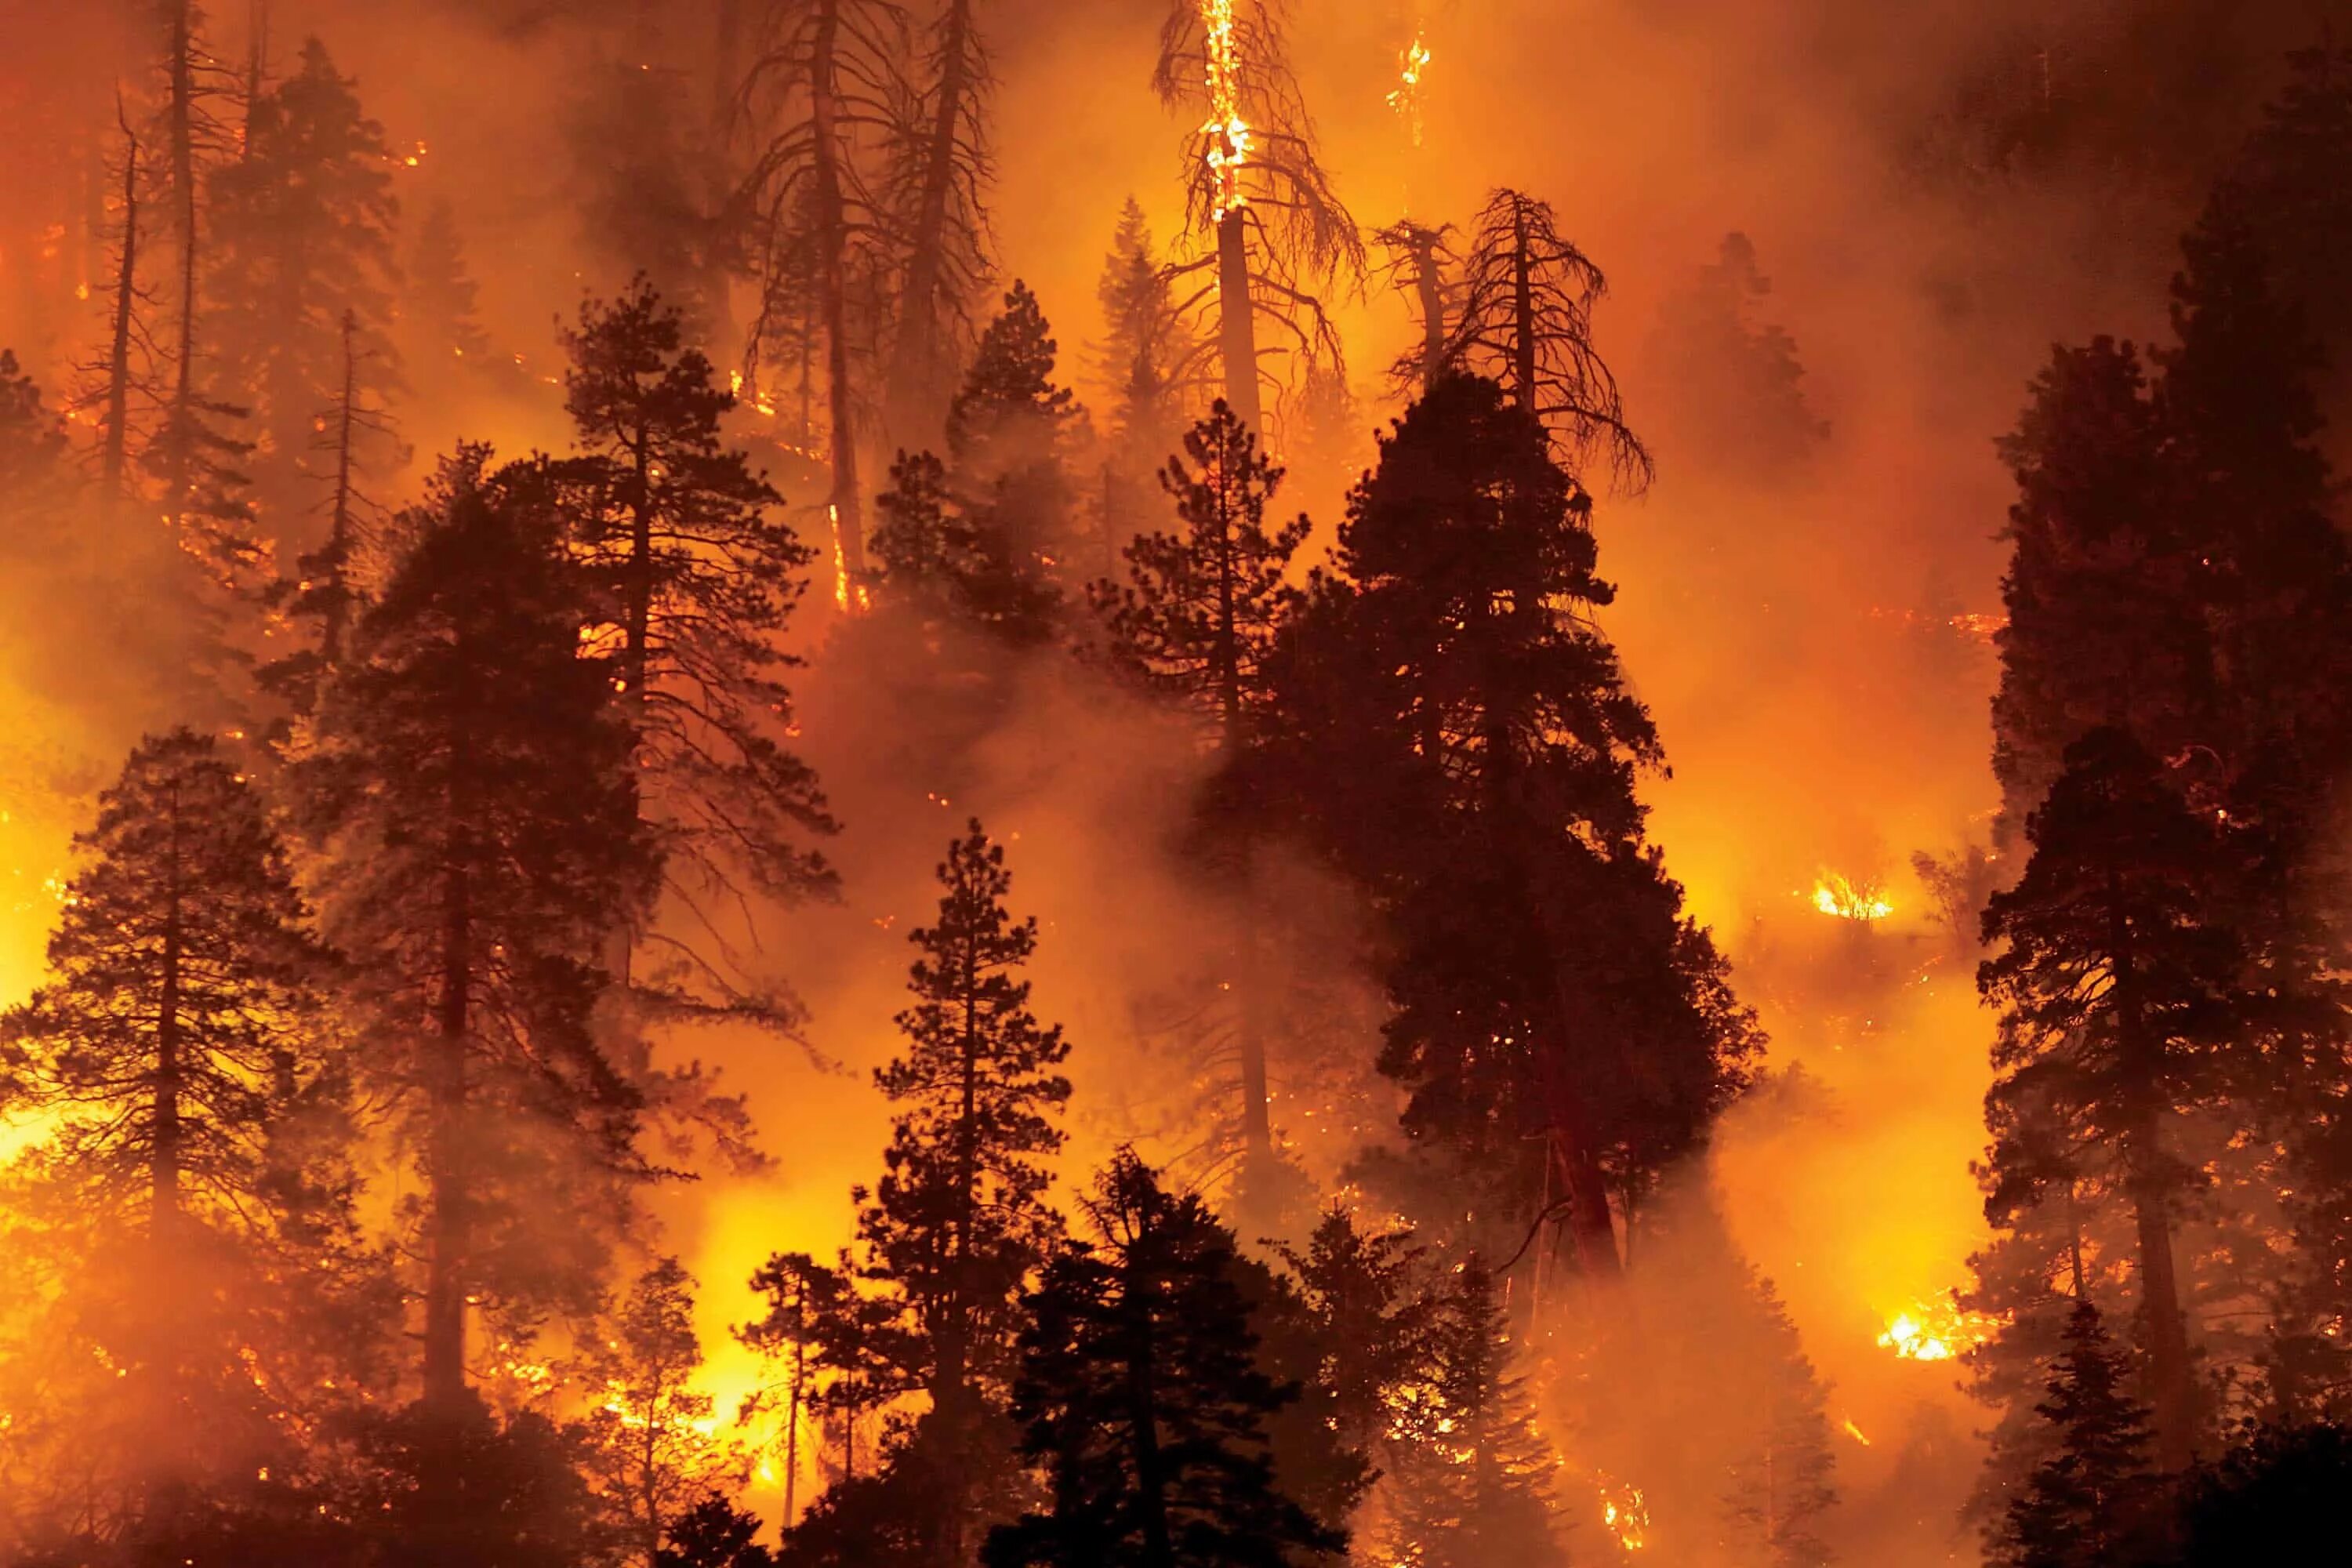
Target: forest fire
912,783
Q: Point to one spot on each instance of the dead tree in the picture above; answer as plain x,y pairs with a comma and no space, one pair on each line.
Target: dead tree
1524,317
1420,265
819,101
1268,232
939,173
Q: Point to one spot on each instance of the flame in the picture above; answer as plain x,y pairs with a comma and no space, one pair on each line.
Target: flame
1413,63
1854,1431
1850,900
848,596
1934,1333
1228,132
1626,1514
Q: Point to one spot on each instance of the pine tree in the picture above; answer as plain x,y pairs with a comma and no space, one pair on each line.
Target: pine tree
985,534
824,75
2090,1504
2113,984
1451,679
180,1062
1523,316
1268,227
1781,1486
1200,611
654,1448
1472,1478
703,576
1141,1400
714,1534
1421,264
303,226
32,451
958,1223
470,788
1739,398
441,310
1361,1291
1147,349
940,167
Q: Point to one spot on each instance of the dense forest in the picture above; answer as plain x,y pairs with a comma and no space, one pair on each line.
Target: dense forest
1202,783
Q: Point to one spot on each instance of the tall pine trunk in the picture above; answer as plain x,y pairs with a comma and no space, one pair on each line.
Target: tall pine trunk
113,460
339,524
180,130
1523,313
446,1239
169,1133
2172,1399
1236,323
917,366
1143,1424
833,225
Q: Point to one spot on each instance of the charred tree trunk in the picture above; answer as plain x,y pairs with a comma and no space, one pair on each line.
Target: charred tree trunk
832,220
169,1133
115,454
1236,325
1523,314
2170,1396
917,366
1143,1429
180,130
339,525
446,1239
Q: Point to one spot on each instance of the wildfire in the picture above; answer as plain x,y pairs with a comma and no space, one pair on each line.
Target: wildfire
848,596
1412,62
1626,1514
1935,1333
1848,899
1228,132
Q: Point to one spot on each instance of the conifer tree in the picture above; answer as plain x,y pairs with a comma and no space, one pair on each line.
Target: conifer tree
2114,987
1270,233
1739,397
32,449
303,227
1362,1291
986,533
441,310
1199,613
958,1223
824,77
196,450
470,784
1522,315
1451,679
1147,349
1141,1400
2090,1504
1472,1479
714,1534
654,1449
939,172
179,1061
1780,1485
703,575
1421,263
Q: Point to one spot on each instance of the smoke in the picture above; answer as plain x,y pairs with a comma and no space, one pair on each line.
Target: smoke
1794,633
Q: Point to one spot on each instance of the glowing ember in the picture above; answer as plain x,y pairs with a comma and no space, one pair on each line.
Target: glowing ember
1228,132
1934,1333
1854,1431
1626,1514
1850,900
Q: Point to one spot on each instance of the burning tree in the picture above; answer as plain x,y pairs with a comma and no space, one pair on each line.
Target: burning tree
1270,229
938,180
1522,315
654,1448
822,91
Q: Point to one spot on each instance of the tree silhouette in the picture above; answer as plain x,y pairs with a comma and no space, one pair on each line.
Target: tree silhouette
937,179
654,1449
1141,1400
1522,315
2091,1502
